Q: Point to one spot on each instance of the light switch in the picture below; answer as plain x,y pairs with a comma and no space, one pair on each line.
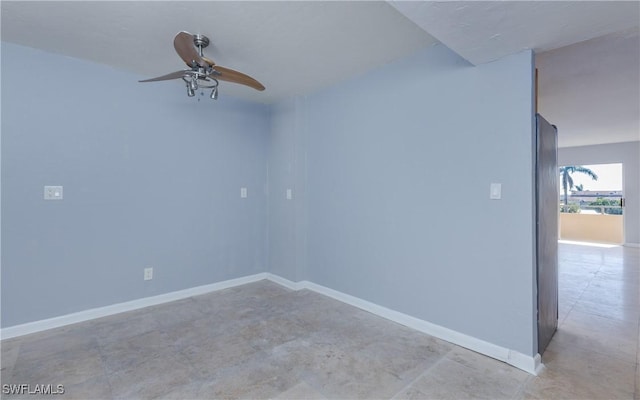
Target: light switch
289,194
495,191
243,193
53,192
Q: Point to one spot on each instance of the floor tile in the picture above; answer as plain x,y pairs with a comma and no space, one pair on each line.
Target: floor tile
151,378
301,391
10,350
616,311
120,327
472,378
262,340
213,357
608,336
578,374
337,372
44,344
175,313
127,355
93,389
70,367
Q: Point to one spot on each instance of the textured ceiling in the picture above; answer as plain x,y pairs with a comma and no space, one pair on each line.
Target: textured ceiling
587,51
483,31
591,90
291,47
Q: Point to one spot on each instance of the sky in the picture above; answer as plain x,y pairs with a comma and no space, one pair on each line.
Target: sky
609,178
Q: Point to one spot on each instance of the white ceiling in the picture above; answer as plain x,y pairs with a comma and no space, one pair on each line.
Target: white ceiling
588,69
591,90
484,31
290,47
587,55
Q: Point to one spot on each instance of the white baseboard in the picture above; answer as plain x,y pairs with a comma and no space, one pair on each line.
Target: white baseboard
526,363
284,282
530,364
56,322
632,244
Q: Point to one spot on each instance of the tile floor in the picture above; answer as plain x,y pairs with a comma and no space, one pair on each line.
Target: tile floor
264,341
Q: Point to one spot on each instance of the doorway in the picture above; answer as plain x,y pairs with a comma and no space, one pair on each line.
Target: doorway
592,203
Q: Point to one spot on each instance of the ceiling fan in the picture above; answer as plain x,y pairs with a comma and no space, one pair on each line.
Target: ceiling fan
203,72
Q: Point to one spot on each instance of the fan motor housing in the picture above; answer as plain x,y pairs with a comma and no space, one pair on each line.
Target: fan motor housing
200,40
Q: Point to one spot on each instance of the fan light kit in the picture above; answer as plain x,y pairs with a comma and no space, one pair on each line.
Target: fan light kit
203,72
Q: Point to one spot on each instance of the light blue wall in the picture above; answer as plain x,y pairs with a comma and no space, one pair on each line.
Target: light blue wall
398,166
151,178
390,175
287,170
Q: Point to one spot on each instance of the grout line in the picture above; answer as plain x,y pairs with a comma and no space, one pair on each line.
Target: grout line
423,374
519,394
588,348
560,323
105,373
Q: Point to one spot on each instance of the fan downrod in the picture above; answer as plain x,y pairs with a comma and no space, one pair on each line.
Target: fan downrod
201,41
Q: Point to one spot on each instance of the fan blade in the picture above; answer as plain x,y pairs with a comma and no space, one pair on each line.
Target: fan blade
208,61
173,75
230,75
183,43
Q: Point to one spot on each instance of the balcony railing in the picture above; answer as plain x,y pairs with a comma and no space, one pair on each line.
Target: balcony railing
591,209
602,224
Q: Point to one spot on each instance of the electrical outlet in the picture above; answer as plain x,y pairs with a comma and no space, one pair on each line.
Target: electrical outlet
243,193
53,192
495,191
148,274
289,194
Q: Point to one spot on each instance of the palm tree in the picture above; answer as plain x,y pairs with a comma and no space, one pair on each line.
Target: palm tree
567,181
